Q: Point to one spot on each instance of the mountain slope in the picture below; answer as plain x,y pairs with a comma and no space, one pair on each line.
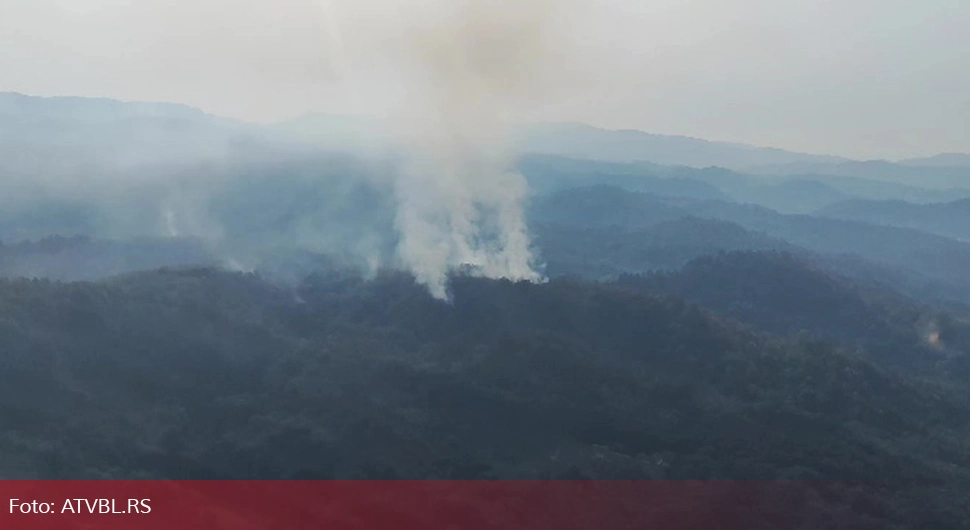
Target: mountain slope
921,253
606,251
933,177
783,293
950,219
66,136
203,374
548,174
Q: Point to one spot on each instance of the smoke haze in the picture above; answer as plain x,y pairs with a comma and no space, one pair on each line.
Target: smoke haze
465,70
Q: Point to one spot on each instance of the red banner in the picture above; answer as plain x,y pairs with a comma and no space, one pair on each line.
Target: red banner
426,505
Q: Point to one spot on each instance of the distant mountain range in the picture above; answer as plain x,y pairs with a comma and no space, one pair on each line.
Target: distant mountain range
581,141
928,176
585,141
48,139
615,212
787,194
943,159
14,105
27,119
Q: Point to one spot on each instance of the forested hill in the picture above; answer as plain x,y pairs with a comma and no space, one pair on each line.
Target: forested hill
207,374
598,252
783,293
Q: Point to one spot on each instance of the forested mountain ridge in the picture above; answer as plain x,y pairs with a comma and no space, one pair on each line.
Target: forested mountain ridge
790,193
603,252
784,293
206,374
950,219
914,253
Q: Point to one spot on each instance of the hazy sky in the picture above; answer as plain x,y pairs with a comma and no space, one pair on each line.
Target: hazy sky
862,78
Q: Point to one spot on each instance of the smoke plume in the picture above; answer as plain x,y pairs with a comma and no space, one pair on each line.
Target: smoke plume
460,203
463,71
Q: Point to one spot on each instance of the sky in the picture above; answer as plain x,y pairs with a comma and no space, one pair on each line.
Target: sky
858,78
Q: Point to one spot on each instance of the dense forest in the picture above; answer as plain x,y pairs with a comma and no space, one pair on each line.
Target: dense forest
199,373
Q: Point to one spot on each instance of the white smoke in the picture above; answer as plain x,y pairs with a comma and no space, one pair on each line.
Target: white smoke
462,70
460,203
